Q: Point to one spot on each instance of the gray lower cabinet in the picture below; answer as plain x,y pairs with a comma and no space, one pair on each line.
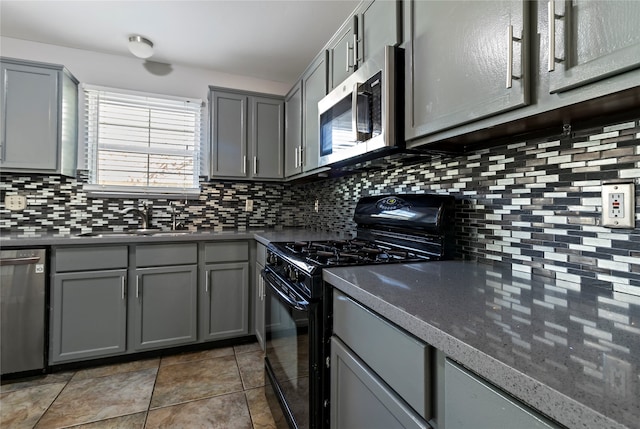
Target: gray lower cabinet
224,290
225,309
165,310
471,403
44,94
361,399
591,40
247,134
464,69
88,315
259,295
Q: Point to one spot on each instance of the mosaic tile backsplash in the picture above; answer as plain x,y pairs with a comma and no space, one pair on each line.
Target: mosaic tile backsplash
532,204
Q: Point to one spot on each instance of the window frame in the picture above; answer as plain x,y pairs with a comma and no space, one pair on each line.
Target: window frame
89,151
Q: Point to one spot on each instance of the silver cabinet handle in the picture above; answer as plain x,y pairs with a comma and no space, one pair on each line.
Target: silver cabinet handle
509,56
551,9
295,157
137,286
244,164
206,282
355,51
348,58
302,161
123,285
255,165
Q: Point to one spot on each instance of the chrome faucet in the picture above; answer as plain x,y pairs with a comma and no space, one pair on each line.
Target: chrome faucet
144,214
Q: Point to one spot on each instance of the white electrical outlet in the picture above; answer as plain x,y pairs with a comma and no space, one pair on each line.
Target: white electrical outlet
248,205
618,200
15,202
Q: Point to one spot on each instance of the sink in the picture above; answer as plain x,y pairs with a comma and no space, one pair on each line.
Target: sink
133,232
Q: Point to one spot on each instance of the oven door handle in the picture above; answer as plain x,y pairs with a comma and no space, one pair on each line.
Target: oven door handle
301,305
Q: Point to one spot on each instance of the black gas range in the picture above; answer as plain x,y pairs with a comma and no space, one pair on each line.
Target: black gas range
390,229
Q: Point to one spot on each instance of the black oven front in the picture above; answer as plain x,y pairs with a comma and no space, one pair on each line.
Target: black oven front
294,355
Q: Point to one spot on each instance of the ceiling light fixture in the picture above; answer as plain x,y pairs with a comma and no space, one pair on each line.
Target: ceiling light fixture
140,47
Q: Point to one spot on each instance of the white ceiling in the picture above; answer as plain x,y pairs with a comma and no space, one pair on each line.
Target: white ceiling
269,39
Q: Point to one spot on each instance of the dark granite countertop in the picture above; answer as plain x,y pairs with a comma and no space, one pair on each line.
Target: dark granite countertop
571,353
262,235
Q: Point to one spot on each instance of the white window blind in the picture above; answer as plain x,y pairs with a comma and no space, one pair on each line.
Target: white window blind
142,143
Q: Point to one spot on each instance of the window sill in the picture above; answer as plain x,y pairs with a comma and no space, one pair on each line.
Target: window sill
97,191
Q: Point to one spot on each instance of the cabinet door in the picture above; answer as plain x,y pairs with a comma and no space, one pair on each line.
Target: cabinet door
293,131
224,308
267,137
228,134
592,40
359,399
314,89
259,306
88,315
165,306
460,64
29,100
342,52
472,403
379,23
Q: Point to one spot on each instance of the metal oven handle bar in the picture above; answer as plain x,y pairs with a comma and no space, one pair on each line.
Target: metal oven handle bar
299,304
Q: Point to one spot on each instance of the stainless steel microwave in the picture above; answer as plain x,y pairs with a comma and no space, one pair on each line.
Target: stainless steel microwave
358,117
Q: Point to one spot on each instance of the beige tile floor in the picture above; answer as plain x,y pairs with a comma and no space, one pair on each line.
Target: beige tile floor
219,388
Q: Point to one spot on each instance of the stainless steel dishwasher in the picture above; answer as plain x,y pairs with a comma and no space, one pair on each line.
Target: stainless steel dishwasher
22,299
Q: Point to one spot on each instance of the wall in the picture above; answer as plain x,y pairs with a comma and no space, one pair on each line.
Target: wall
128,72
534,205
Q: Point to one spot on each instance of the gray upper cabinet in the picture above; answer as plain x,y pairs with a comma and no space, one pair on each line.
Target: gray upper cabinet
293,131
464,61
247,135
343,52
591,40
267,137
379,25
228,134
314,88
302,142
43,94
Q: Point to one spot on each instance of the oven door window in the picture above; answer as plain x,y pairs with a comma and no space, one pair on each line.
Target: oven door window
287,333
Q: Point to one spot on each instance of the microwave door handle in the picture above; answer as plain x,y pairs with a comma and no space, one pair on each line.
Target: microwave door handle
354,111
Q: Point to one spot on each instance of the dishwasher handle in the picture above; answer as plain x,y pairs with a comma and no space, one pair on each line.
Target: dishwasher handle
20,261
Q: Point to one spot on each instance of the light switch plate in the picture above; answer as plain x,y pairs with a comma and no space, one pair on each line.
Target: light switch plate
15,202
248,205
618,205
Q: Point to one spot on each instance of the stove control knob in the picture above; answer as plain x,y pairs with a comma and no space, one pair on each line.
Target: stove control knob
293,274
273,259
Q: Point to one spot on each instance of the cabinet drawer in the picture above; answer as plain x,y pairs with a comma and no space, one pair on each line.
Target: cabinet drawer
226,251
89,258
261,254
155,255
399,359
